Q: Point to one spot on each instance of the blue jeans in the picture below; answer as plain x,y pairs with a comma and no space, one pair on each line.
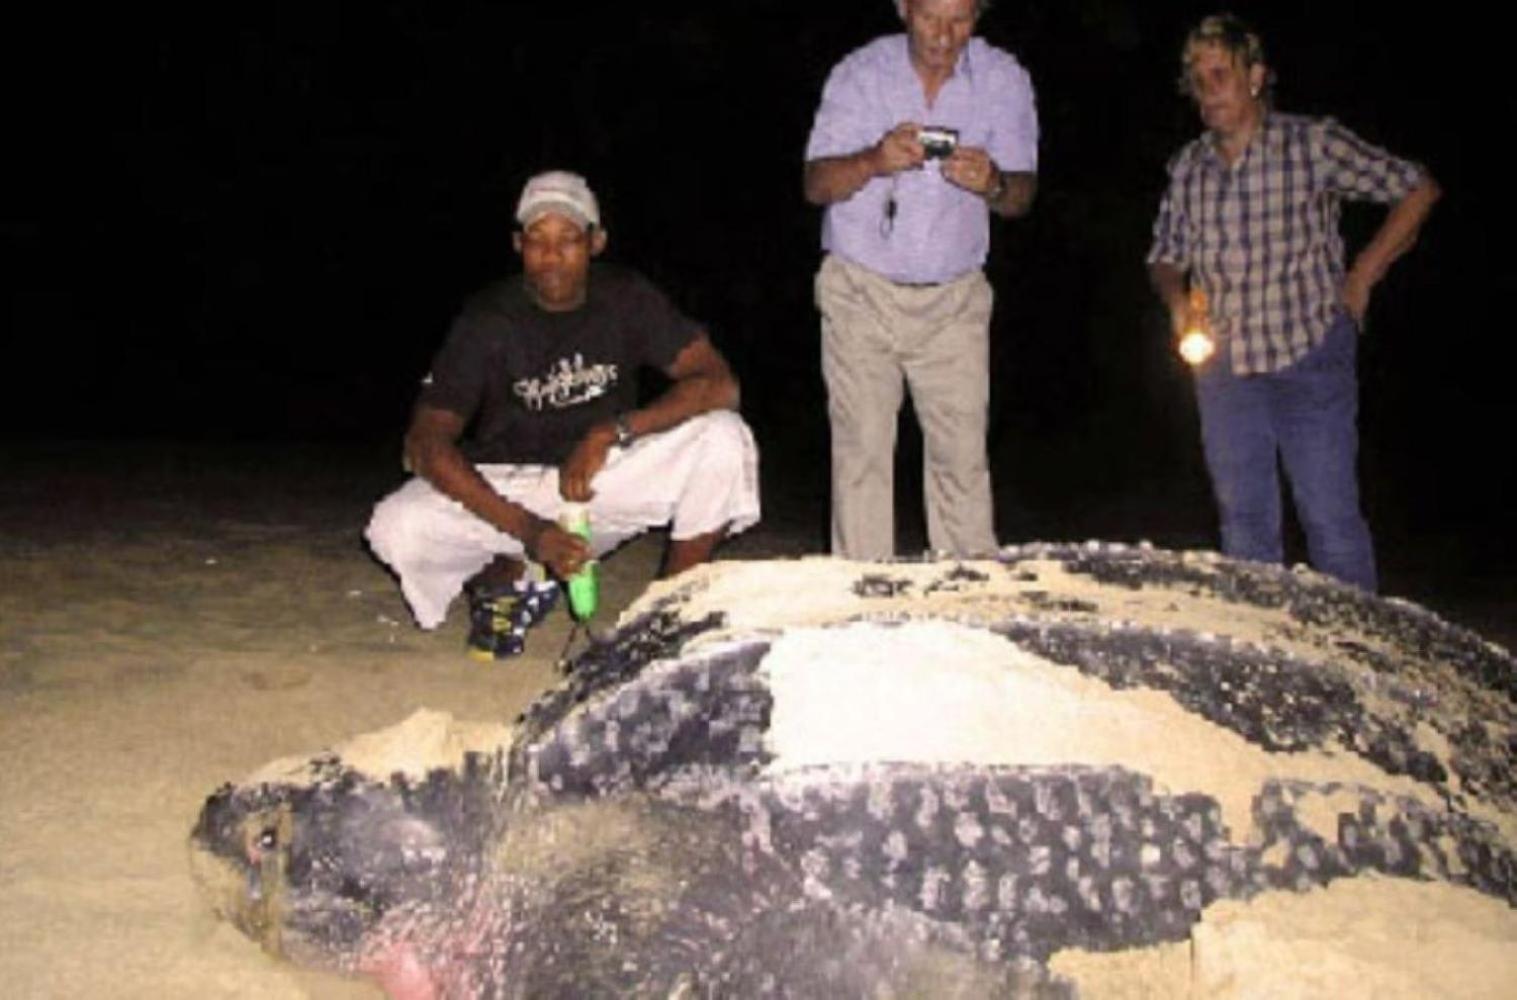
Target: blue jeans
1304,416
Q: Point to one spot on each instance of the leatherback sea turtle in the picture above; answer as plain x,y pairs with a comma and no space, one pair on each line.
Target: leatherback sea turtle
823,778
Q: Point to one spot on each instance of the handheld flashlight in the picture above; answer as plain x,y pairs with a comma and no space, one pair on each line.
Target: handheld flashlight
1196,344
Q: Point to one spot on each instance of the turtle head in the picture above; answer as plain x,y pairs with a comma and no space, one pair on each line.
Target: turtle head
313,871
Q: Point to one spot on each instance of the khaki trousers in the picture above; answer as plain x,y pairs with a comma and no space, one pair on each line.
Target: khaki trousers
879,337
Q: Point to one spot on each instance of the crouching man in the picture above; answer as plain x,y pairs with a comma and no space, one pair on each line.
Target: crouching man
532,403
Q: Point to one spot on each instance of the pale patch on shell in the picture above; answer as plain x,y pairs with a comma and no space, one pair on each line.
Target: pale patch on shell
953,694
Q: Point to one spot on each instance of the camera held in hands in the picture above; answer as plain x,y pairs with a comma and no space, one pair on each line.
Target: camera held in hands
938,141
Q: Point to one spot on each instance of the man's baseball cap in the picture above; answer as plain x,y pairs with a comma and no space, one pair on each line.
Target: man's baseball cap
558,191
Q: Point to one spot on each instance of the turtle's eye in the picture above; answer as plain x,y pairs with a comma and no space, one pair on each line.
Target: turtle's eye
268,839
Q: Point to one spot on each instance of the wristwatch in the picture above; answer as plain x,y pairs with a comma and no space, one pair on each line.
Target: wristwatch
624,434
994,192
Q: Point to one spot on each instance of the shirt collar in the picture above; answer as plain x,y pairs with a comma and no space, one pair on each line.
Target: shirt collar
1265,136
964,67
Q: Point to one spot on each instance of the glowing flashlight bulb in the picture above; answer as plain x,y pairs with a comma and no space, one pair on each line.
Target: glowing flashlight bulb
1196,346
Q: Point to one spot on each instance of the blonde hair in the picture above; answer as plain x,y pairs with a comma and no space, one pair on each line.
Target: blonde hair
980,7
1238,38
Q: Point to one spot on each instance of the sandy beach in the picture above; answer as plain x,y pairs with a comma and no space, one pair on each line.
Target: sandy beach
171,619
169,622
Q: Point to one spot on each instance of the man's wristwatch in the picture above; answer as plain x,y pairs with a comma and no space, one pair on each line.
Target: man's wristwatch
996,189
624,434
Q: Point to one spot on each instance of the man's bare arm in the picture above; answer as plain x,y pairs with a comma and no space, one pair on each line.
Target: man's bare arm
1168,281
701,382
1008,193
838,178
1016,195
431,449
1396,235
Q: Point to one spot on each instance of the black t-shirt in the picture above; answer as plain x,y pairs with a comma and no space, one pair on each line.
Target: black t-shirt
534,381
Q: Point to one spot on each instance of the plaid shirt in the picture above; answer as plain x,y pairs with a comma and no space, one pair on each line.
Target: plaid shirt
1261,236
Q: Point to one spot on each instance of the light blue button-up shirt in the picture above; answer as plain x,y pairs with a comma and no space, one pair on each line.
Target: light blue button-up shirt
939,231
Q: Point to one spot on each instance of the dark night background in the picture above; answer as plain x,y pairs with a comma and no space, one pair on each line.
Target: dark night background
242,231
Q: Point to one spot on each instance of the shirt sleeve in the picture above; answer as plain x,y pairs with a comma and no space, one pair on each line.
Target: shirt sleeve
1014,130
1360,171
843,124
665,331
456,381
1169,243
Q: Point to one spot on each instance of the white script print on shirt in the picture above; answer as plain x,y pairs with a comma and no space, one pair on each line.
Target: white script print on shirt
567,383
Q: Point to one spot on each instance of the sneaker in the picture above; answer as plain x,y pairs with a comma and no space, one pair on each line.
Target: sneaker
500,616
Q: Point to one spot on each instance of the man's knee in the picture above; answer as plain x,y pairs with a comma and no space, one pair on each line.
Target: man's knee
723,425
1242,478
867,432
387,525
956,444
724,443
393,526
715,478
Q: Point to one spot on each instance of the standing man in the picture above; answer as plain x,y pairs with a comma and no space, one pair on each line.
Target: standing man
919,137
1251,218
540,371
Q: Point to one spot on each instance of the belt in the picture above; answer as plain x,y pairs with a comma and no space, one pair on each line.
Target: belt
930,284
845,263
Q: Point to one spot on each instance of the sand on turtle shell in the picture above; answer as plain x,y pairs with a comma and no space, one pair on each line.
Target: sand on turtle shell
971,695
951,693
762,597
428,740
1386,938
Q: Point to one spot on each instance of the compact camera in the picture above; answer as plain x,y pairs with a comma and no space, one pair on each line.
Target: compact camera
938,141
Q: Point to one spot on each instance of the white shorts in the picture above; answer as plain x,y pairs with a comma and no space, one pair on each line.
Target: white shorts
696,478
